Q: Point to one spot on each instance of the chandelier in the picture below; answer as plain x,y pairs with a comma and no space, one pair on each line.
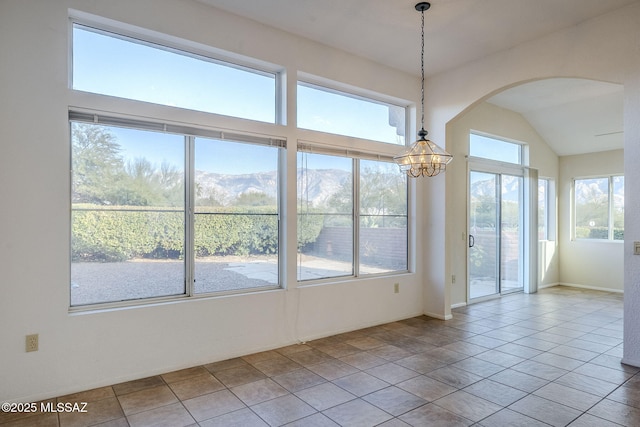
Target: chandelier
423,157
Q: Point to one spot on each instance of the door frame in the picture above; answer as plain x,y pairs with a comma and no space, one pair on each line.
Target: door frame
529,218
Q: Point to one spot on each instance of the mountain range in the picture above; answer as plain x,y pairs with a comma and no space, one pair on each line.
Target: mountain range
314,185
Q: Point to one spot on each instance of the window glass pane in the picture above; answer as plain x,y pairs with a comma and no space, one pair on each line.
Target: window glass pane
618,208
543,208
383,218
494,149
236,216
484,231
336,112
115,65
592,208
325,216
127,214
511,233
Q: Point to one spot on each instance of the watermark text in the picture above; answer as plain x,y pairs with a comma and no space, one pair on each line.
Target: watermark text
45,407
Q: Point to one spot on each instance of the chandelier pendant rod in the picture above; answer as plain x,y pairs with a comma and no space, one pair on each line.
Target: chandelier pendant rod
422,7
423,157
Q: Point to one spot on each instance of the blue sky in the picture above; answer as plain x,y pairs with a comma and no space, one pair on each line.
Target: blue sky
211,155
495,149
112,66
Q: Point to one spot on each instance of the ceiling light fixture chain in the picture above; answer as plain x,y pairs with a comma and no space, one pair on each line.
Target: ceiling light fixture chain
421,7
423,157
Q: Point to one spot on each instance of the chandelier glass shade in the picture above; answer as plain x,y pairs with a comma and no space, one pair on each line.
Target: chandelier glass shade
423,158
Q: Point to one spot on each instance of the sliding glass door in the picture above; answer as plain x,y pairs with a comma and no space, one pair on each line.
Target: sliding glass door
496,233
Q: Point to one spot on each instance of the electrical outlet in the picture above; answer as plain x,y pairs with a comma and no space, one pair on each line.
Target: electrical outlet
31,343
396,288
453,278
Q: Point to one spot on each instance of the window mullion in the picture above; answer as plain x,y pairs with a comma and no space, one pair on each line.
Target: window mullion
356,217
610,208
189,256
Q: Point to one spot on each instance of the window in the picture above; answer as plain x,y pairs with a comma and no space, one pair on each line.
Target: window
383,218
341,113
143,228
127,214
495,149
543,209
236,216
325,216
546,209
116,65
329,206
599,208
165,210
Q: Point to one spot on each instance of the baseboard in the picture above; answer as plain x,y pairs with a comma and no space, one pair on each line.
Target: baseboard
439,316
458,305
593,288
326,334
549,285
631,362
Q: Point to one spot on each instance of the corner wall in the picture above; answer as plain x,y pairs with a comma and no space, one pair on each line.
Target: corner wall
606,48
587,263
500,122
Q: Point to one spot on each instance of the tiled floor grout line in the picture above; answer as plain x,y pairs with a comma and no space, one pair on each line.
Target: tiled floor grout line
229,389
517,335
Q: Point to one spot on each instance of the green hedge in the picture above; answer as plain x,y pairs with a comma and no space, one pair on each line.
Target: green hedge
114,234
598,233
309,226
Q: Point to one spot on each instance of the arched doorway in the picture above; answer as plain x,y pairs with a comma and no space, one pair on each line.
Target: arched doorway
554,119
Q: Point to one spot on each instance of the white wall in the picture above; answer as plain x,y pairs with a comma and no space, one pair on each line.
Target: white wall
606,48
593,264
497,121
82,351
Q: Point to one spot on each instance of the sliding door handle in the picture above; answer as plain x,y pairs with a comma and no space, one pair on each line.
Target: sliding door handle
472,241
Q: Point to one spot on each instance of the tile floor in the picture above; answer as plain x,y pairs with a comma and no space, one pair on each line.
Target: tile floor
552,358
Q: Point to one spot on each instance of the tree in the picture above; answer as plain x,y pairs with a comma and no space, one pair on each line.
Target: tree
484,210
140,190
149,185
382,192
102,177
171,182
97,166
383,195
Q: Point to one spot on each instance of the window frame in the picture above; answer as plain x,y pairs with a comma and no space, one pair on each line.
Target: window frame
522,149
164,41
158,117
347,91
610,209
360,215
356,157
189,133
550,213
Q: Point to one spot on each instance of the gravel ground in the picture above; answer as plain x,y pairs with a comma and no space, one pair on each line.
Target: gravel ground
115,281
95,282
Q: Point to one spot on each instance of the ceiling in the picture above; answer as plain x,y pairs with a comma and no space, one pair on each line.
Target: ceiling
457,32
574,116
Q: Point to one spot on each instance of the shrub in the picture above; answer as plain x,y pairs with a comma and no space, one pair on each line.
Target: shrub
598,233
618,234
309,226
115,233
